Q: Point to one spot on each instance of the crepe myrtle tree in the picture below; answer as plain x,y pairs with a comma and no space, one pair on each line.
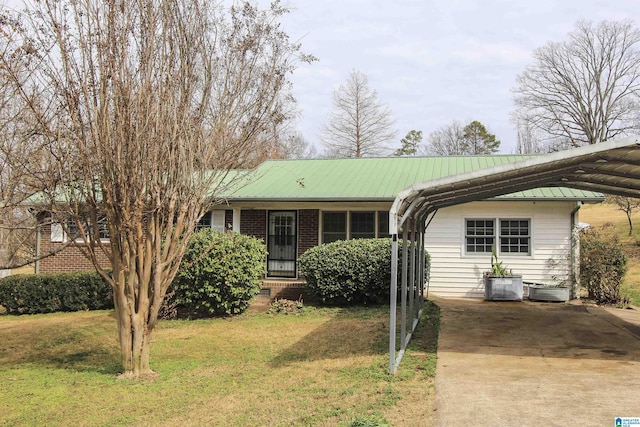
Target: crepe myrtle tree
147,107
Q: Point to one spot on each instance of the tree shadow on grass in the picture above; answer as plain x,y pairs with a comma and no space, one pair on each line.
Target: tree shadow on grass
351,332
59,342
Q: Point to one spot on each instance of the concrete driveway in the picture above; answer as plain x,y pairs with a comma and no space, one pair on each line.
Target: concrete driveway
532,364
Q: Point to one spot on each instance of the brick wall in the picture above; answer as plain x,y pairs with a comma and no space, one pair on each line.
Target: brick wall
228,219
70,259
308,223
254,223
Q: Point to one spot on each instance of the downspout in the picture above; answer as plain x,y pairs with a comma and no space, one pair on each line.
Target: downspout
575,253
38,245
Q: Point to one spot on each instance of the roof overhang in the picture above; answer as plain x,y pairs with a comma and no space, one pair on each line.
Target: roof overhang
611,167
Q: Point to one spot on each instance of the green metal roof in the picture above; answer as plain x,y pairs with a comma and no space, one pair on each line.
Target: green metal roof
374,179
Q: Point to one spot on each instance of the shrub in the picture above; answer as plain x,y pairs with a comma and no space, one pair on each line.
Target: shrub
220,273
350,271
48,293
602,267
286,306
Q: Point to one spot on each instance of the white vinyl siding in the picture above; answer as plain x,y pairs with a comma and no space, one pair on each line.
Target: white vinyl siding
456,272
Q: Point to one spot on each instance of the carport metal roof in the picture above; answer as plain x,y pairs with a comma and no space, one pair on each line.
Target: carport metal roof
611,167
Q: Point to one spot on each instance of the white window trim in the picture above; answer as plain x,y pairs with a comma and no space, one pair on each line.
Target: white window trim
59,235
496,236
218,218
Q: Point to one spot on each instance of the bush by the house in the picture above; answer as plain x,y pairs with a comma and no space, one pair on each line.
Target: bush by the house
349,271
48,293
220,273
602,267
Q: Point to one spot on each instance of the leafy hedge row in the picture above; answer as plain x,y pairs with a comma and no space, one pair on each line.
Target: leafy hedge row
350,272
48,293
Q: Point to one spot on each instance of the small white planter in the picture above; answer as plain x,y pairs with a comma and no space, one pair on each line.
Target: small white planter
548,293
507,288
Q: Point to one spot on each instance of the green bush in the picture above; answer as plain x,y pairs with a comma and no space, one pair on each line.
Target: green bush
348,272
48,293
220,273
602,267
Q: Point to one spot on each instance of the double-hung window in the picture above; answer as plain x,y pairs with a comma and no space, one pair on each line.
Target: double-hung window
480,235
515,237
510,236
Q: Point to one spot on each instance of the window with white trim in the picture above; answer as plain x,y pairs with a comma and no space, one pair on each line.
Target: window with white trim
213,219
479,235
513,236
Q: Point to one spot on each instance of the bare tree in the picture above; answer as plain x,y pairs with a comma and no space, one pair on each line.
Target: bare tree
293,145
359,125
626,205
447,141
584,90
146,107
25,167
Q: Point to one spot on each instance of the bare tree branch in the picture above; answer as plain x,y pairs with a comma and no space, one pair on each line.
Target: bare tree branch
147,108
585,90
359,125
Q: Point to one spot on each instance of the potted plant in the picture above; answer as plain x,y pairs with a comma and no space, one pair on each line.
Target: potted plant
558,291
500,284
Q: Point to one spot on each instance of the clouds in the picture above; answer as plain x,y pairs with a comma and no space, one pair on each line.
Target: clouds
431,61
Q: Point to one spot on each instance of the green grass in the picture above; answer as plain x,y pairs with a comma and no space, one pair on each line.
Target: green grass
612,224
327,367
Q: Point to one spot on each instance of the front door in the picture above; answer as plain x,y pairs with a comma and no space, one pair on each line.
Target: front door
281,244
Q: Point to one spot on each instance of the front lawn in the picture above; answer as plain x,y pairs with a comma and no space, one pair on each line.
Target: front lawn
327,367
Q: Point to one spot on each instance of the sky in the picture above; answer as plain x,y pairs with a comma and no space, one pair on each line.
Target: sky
430,61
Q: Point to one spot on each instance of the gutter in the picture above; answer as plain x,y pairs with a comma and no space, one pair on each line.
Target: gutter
575,253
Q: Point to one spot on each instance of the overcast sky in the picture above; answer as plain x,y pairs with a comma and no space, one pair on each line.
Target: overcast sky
431,62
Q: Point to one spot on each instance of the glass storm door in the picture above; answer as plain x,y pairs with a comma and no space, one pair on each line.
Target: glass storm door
281,244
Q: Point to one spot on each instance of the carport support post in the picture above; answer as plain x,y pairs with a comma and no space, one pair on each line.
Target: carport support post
393,301
412,278
403,291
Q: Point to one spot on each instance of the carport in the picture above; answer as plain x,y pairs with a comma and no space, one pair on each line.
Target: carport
611,167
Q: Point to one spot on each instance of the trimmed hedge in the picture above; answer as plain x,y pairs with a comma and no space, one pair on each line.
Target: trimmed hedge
603,265
220,273
349,272
48,293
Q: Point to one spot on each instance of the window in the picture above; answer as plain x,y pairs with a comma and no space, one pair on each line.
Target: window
480,235
383,223
213,219
74,230
205,222
361,225
515,236
334,226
